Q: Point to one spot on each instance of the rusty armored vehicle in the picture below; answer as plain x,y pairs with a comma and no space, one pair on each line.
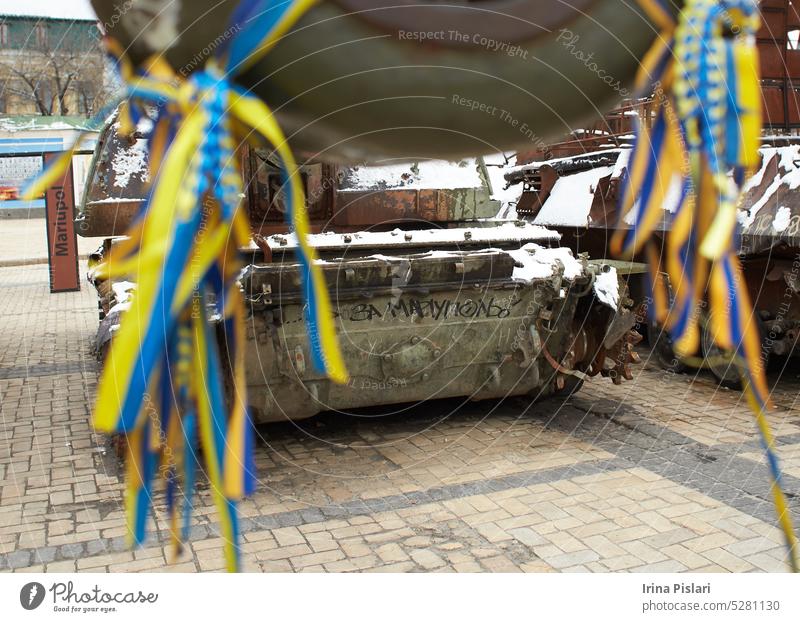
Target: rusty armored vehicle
577,196
434,296
572,186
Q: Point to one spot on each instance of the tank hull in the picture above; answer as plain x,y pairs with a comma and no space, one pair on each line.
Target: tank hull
433,297
416,327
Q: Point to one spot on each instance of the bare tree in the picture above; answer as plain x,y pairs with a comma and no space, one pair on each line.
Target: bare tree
54,77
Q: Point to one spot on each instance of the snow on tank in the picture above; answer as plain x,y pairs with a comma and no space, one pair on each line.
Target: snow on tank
422,175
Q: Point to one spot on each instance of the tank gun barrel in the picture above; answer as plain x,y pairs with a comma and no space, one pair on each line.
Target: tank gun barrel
356,80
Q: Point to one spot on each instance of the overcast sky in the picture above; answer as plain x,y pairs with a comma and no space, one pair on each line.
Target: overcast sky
66,9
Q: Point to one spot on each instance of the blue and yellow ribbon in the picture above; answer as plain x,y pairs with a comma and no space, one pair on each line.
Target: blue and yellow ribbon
164,382
703,141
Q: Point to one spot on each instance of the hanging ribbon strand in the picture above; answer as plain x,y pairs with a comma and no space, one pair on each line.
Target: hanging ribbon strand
698,150
164,383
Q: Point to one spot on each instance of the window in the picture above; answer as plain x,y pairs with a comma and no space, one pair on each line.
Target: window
40,32
4,34
792,39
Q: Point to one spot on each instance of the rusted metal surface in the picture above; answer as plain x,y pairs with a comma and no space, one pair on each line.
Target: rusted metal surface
364,208
107,217
538,181
509,234
381,275
416,327
779,58
266,198
430,298
769,240
609,354
332,200
769,209
769,258
116,183
415,192
361,208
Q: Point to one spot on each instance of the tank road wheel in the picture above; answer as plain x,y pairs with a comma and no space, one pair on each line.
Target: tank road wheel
571,384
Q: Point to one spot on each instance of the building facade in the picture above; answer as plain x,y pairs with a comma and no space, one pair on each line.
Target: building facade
51,66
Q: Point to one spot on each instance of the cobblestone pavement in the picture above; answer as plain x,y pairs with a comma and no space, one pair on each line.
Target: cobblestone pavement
24,241
660,474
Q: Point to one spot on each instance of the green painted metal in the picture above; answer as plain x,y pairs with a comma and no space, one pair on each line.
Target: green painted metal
60,34
348,90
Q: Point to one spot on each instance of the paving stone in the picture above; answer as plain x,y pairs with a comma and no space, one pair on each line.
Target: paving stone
70,551
668,565
391,553
427,559
265,522
317,559
656,474
45,554
93,547
18,559
290,519
527,536
566,560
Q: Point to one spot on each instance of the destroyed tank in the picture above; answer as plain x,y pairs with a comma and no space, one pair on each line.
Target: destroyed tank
572,186
577,195
433,295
